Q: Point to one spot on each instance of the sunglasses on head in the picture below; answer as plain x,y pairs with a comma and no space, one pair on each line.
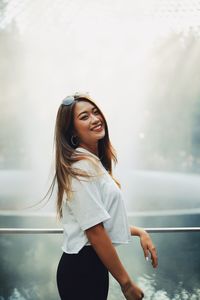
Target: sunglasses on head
70,99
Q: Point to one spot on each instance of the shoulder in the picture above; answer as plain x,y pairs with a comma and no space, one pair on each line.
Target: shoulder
88,165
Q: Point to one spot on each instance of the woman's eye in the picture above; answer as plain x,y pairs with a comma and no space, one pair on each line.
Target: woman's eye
84,117
96,112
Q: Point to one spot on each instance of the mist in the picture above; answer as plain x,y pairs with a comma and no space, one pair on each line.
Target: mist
137,62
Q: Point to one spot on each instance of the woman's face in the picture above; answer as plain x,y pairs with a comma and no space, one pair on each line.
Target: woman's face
88,123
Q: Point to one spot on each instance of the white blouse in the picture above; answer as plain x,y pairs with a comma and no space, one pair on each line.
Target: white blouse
94,200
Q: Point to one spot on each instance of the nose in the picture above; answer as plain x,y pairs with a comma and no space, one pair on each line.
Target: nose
94,119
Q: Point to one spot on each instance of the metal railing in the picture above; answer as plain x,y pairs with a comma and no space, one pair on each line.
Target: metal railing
59,230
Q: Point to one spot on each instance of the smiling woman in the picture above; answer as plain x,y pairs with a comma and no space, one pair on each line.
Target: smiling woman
88,125
91,206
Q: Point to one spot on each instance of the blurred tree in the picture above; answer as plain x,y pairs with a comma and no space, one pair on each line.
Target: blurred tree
172,133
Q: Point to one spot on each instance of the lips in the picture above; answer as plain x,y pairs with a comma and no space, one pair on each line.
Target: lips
97,127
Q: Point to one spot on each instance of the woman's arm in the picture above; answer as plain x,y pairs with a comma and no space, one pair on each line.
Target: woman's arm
104,248
146,243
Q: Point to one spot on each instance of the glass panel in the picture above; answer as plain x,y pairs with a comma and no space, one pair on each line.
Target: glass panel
28,262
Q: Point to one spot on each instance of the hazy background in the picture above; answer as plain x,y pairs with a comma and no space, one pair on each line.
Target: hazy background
139,60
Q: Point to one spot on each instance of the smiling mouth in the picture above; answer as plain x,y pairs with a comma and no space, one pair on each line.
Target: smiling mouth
98,127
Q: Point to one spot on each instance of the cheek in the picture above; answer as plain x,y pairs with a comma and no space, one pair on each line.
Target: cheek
81,128
102,120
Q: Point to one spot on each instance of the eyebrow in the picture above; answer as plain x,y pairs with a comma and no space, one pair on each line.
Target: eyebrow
86,111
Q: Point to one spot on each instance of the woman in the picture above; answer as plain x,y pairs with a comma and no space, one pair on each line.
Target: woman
90,203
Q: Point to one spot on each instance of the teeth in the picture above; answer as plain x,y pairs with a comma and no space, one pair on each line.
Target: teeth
97,127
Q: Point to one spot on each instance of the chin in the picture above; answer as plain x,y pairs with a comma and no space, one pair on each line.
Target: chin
101,138
101,135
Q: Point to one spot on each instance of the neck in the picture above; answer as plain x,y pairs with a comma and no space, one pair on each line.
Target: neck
92,148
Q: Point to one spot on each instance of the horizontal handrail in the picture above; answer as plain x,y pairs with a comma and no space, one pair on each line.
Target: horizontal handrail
31,230
60,230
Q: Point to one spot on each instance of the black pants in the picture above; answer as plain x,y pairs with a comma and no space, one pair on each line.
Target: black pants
82,276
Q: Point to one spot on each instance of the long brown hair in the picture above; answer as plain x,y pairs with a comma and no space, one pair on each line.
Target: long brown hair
66,154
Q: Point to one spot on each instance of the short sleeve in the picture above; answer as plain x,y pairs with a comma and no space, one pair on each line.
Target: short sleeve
86,203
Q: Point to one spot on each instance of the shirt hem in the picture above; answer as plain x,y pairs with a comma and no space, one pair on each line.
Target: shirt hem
88,244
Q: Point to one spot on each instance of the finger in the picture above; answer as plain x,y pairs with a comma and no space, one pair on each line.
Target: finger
154,256
146,253
154,261
152,251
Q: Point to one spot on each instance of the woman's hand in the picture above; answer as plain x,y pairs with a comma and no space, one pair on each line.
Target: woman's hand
132,292
146,243
148,246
